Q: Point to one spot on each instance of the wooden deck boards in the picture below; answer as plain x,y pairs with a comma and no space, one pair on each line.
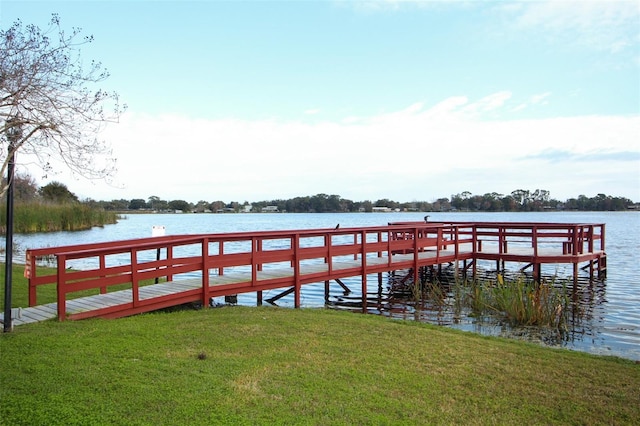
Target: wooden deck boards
149,292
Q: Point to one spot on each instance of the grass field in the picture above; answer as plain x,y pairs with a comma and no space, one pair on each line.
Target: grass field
243,365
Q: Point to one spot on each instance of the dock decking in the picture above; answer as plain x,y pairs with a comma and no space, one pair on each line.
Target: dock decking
196,268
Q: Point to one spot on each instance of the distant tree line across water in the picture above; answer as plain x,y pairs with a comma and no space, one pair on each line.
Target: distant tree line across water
517,201
520,200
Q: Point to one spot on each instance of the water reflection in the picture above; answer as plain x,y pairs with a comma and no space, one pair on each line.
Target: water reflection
441,301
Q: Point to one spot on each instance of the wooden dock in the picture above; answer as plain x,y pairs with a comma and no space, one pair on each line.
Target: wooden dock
160,272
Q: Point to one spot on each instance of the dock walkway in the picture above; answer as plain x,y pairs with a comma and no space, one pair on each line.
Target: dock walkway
196,268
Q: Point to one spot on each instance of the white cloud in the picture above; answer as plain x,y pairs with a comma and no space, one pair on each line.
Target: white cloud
488,103
610,26
418,153
541,98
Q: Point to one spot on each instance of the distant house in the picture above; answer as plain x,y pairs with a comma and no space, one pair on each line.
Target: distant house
226,210
380,209
270,209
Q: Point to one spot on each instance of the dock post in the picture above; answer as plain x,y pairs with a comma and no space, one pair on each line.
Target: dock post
537,272
364,292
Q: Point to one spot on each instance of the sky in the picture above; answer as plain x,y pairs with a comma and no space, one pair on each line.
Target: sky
368,100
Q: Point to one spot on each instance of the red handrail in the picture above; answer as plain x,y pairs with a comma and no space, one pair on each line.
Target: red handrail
216,252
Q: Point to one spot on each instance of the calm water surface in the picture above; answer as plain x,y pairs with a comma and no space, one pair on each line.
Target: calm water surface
611,325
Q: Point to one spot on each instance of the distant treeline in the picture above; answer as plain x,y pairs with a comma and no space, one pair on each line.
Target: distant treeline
518,201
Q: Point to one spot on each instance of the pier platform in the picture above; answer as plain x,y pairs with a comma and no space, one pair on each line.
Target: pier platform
134,276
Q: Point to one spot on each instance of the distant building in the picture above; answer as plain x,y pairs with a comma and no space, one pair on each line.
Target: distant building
270,209
381,209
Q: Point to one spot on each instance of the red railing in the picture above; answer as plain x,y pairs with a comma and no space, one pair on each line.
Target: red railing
132,263
574,239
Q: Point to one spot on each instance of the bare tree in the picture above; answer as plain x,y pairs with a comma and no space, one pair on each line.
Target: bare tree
50,111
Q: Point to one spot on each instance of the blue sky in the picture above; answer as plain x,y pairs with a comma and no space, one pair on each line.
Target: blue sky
240,100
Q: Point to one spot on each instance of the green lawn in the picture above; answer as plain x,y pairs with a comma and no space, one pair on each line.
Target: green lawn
243,365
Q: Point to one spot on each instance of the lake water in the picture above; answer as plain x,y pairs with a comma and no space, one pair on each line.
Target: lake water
611,325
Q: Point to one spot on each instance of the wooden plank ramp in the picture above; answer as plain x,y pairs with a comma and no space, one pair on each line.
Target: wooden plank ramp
22,316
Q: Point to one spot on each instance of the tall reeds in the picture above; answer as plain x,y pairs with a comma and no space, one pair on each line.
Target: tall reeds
44,217
525,302
519,300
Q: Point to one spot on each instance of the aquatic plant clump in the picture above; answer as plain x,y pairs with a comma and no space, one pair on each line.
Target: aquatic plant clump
518,301
526,302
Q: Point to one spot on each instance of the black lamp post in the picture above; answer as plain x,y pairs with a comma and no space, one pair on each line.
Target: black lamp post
13,134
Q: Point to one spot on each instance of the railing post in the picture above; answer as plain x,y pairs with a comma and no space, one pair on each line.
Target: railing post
477,244
328,240
103,265
169,262
355,241
134,277
296,270
390,239
258,249
416,264
254,261
220,253
205,272
30,274
456,235
62,305
439,243
363,262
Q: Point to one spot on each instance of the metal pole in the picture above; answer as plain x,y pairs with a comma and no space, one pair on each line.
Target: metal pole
8,264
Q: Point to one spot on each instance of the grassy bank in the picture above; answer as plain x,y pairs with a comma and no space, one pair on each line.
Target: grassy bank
241,365
42,217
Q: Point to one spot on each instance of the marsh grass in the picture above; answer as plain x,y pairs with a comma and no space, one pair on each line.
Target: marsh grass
525,302
43,217
519,301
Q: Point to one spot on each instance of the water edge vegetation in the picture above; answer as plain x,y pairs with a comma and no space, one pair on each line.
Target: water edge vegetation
48,217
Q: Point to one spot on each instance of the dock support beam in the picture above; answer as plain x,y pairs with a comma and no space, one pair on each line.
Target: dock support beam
364,293
281,295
